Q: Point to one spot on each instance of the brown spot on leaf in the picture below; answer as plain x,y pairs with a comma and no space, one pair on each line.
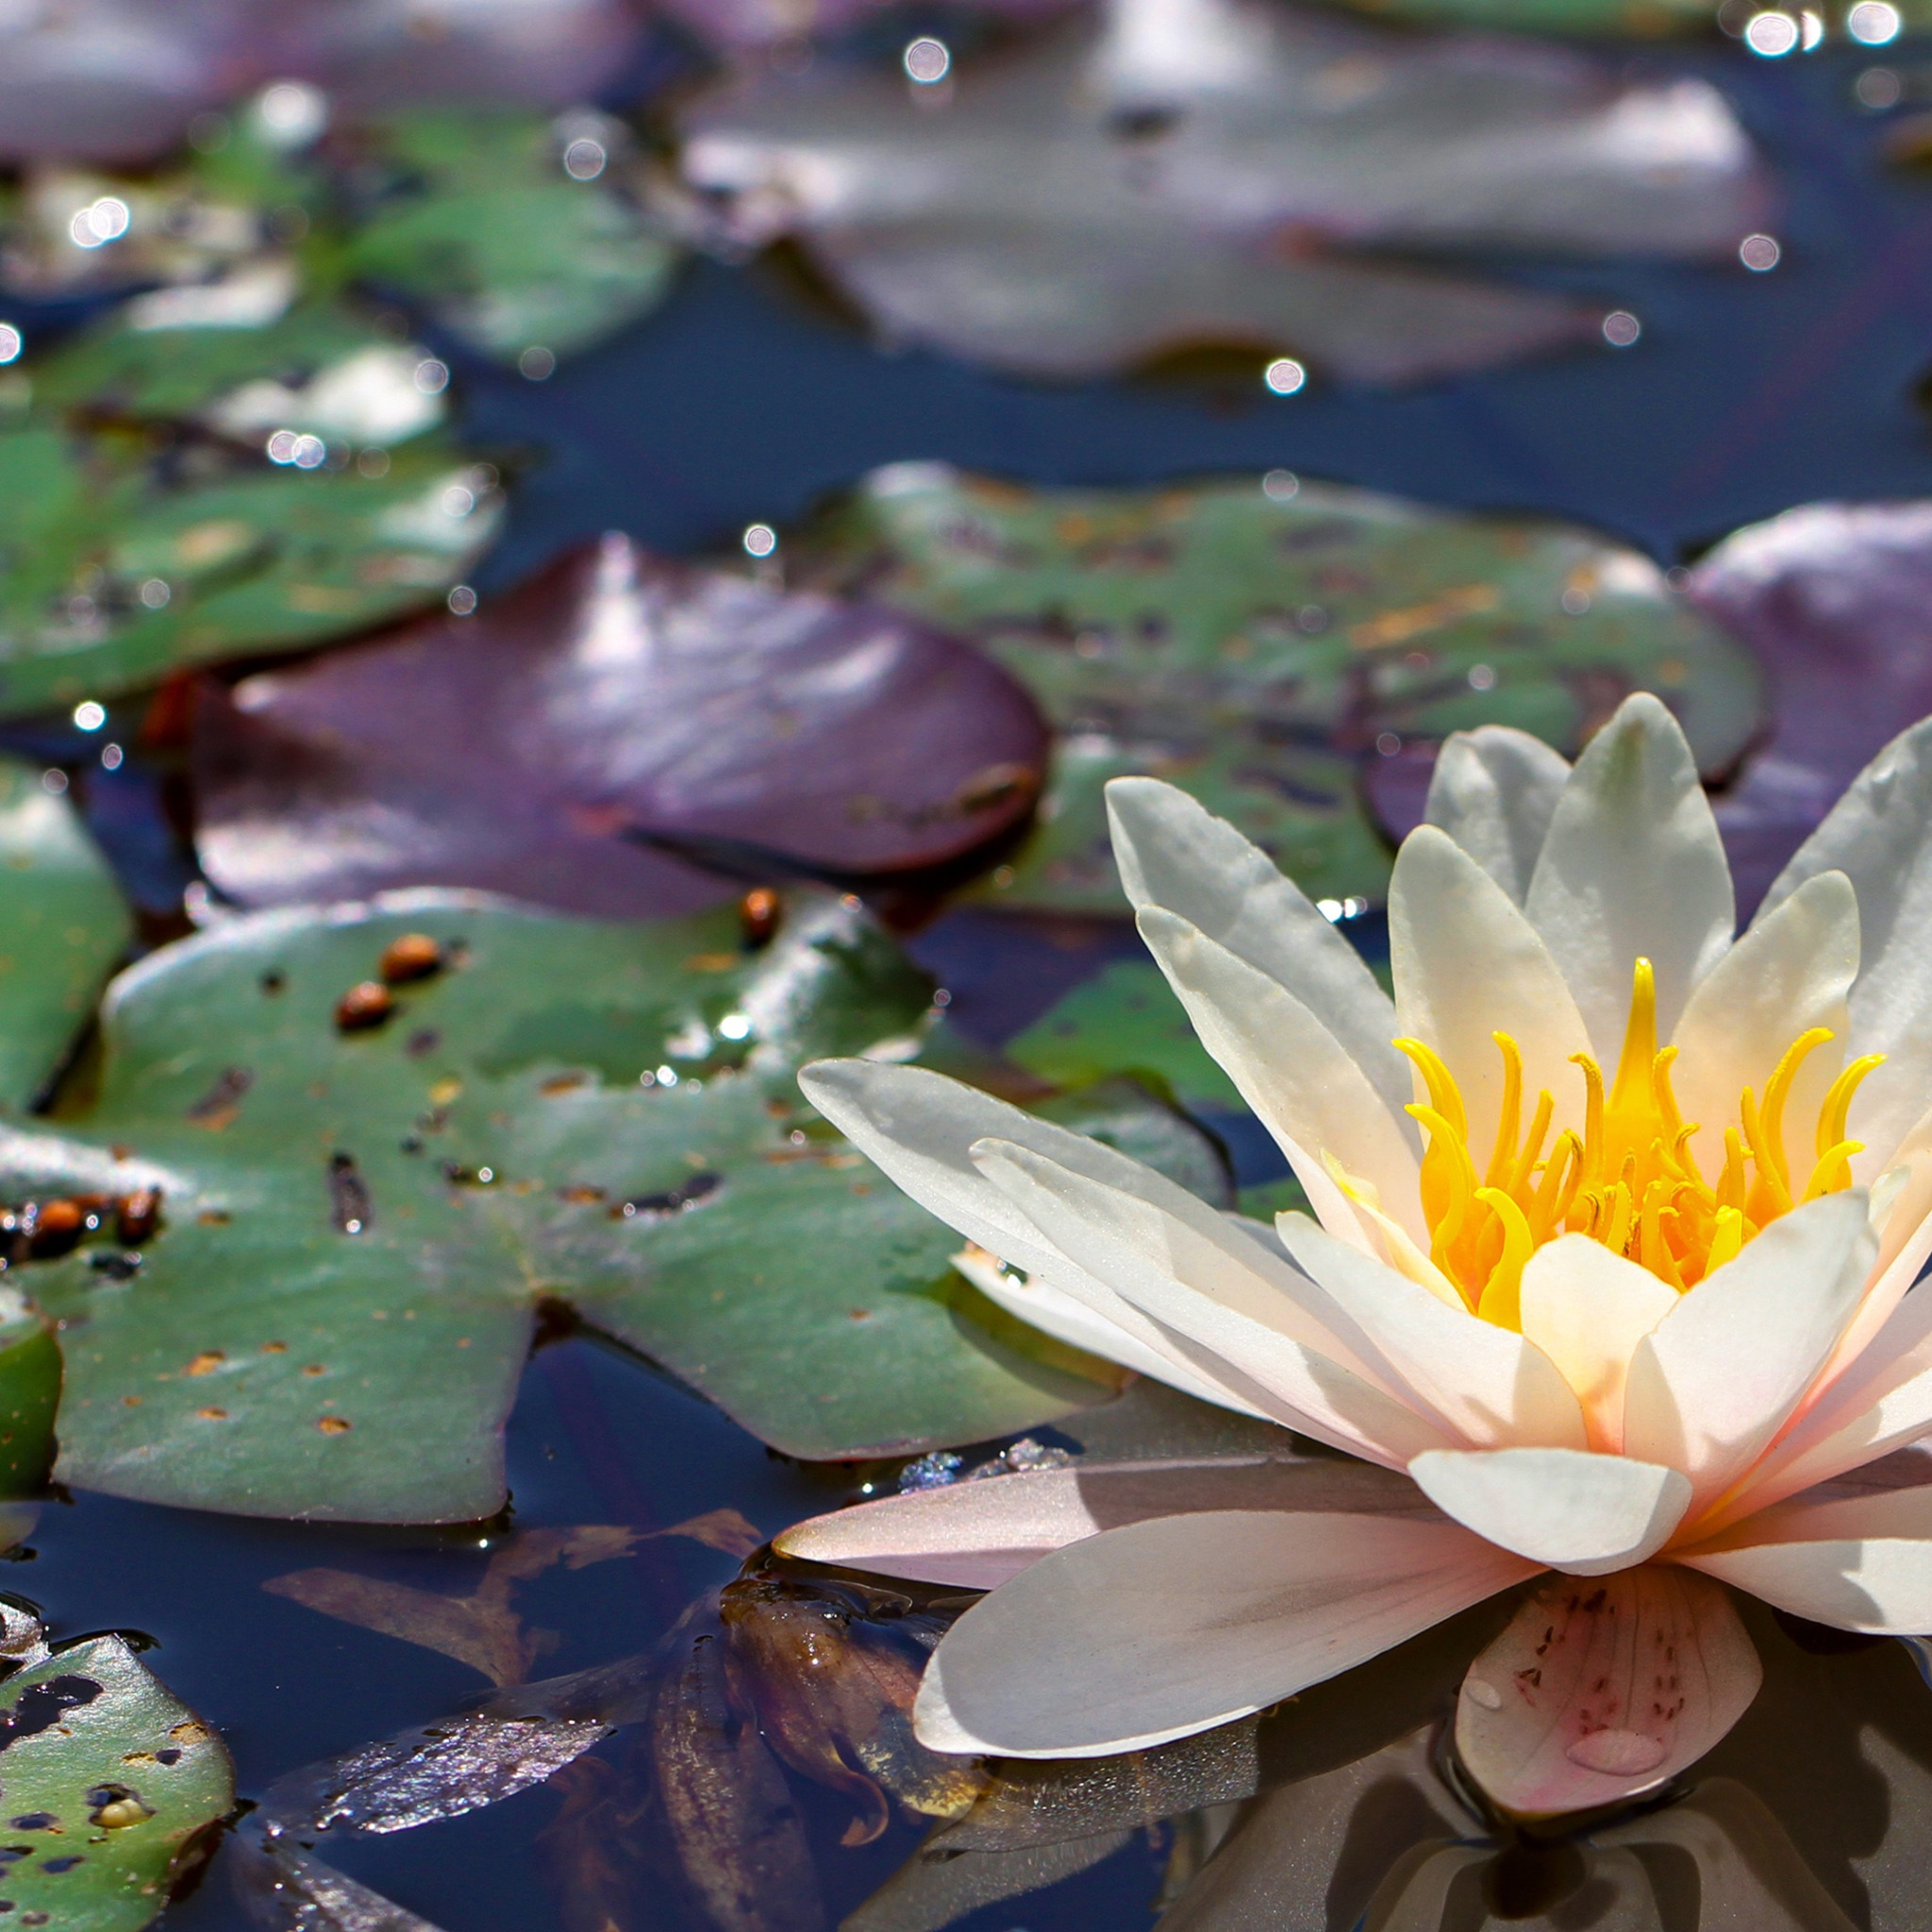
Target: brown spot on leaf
365,1005
414,956
333,1425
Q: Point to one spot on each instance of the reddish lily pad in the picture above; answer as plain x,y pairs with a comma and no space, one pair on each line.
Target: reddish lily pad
615,698
1161,176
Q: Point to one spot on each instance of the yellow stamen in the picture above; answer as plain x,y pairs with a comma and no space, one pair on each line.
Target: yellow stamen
1502,1296
1627,1175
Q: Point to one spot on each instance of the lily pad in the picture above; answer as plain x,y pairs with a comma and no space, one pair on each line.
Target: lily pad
1836,600
111,1785
518,233
29,1394
119,565
364,1202
1173,174
532,748
1256,642
202,354
1125,1019
66,928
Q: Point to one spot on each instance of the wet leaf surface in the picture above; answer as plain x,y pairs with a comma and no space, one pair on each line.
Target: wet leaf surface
120,80
359,1224
517,233
1258,649
1834,599
1224,172
118,566
66,927
285,1889
110,1780
614,699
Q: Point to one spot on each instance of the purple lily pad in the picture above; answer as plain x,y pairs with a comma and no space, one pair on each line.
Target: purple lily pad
614,699
1835,599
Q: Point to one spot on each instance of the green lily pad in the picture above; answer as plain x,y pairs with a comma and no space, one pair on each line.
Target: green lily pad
66,927
320,369
358,1227
519,233
118,565
110,1782
29,1394
1253,644
1125,1019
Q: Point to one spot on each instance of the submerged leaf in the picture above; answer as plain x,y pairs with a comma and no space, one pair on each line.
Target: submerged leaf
111,1784
614,698
117,566
359,1222
1256,643
1189,172
286,1890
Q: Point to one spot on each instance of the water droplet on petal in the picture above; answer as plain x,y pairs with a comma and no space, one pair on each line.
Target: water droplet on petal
1617,1754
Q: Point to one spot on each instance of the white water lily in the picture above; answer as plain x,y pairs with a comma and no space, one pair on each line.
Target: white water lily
1615,1218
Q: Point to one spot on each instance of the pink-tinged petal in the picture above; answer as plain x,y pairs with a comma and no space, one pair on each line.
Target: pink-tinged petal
1599,1690
1587,1309
1633,868
1168,1627
1174,853
1466,962
1484,1382
920,1128
1788,973
1220,1299
1902,1214
1717,1378
1494,791
1290,1070
979,1535
1858,1562
1881,1403
1584,1514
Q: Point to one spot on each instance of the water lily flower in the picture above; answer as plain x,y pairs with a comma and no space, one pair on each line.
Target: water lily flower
1615,1217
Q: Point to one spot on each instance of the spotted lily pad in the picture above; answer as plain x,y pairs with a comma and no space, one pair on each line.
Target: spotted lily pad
65,925
111,1785
1256,642
518,233
365,1203
1165,174
533,747
118,565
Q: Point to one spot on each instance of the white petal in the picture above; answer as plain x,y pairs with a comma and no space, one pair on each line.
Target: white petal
1587,1309
1493,791
978,1534
1790,972
1718,1375
1879,835
1466,964
1053,1312
1858,1563
1633,868
920,1128
1592,1694
1904,1238
1290,1070
1174,853
1485,1382
1168,1627
1226,1300
1583,1514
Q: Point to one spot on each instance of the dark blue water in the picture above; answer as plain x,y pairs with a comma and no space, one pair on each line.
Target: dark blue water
1746,395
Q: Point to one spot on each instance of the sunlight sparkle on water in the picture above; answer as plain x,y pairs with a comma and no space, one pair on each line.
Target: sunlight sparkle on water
1285,375
1771,35
1874,23
927,61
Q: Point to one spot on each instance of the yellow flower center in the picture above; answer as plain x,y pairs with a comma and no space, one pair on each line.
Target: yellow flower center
1628,1179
